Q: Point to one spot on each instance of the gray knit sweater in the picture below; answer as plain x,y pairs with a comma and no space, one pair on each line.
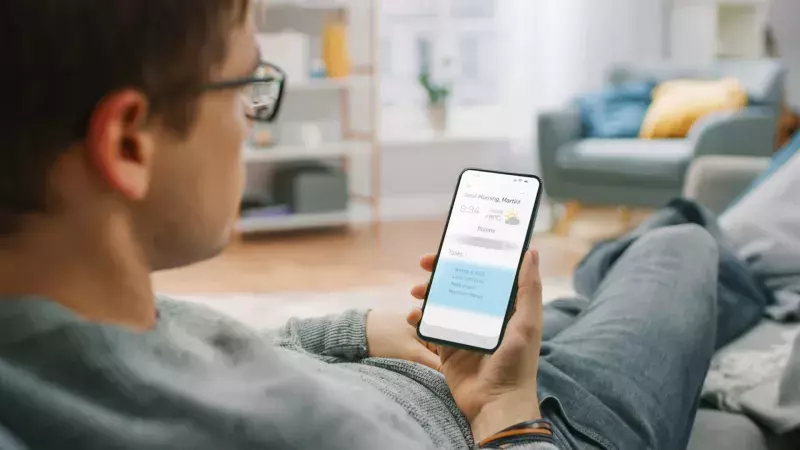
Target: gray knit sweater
202,381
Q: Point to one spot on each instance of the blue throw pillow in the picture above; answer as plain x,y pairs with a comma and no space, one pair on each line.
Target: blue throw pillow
617,112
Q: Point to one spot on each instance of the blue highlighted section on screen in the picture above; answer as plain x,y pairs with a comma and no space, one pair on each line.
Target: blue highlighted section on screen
471,287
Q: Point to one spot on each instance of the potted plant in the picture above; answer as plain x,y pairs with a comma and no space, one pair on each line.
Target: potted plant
438,95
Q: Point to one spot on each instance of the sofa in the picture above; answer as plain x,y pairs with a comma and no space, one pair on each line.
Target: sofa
716,182
648,173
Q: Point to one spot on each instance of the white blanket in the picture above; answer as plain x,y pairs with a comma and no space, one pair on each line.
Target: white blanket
764,228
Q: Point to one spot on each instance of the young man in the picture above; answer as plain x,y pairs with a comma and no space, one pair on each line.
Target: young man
121,156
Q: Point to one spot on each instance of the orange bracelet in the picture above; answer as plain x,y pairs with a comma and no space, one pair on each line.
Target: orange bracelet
512,433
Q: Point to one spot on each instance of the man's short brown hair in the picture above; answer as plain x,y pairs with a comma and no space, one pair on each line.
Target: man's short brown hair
61,57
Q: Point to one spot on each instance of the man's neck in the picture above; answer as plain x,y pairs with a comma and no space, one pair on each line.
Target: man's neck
101,275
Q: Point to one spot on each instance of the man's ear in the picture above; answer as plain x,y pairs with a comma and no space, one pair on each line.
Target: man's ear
120,148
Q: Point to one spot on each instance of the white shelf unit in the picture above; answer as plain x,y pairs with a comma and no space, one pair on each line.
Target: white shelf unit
328,84
326,5
354,143
293,222
702,31
282,153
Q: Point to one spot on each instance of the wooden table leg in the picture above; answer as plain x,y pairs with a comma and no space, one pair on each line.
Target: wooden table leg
571,211
626,217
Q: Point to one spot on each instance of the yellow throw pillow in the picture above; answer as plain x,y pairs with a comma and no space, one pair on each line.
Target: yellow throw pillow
678,104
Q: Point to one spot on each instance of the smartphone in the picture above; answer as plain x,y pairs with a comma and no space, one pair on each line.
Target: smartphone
471,293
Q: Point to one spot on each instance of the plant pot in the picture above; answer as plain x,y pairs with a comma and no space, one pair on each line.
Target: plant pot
437,117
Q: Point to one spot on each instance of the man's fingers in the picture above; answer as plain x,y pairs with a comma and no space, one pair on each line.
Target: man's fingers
428,358
419,291
414,317
432,347
446,352
427,262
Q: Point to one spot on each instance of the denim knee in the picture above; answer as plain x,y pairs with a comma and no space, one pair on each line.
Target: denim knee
690,241
693,256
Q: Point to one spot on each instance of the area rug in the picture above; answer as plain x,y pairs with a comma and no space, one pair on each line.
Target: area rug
271,310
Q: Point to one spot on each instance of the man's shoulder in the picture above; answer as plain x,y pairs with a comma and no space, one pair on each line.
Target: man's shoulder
193,314
171,306
204,322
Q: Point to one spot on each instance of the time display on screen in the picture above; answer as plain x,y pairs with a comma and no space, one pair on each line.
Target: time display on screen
470,209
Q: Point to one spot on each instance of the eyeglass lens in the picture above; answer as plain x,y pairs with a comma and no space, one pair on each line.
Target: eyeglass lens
263,96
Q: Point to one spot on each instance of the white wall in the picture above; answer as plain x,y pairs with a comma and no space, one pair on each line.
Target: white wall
580,39
783,20
703,31
418,180
693,34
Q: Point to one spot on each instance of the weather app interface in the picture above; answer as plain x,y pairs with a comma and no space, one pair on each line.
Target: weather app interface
478,262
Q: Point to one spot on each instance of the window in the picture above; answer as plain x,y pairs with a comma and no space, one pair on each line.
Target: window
455,40
424,53
469,56
473,8
387,68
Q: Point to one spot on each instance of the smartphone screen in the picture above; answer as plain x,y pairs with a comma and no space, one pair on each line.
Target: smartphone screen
474,281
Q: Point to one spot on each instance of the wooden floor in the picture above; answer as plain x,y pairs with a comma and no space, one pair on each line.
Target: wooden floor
339,260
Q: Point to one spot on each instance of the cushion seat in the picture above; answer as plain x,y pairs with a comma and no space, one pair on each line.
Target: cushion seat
717,430
661,162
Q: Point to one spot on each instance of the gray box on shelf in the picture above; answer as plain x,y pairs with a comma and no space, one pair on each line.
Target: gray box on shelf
311,188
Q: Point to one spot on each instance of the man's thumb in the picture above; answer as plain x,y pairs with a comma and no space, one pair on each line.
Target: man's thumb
529,292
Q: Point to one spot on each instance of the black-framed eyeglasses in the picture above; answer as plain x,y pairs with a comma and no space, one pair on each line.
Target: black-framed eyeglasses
263,91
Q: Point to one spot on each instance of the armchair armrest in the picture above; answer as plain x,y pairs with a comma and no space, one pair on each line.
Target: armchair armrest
750,132
716,181
556,128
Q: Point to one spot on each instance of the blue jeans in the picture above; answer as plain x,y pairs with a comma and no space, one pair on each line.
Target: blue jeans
625,370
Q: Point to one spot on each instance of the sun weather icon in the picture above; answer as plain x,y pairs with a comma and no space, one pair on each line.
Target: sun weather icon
512,218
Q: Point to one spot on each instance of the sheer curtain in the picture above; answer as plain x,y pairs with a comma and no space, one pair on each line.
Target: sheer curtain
541,44
783,21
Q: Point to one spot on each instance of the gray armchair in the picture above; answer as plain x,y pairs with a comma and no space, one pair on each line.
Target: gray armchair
639,172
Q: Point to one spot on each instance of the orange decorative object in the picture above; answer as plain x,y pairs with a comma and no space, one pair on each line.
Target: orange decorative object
335,50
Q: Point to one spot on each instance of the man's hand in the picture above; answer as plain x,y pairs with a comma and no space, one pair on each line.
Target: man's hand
389,335
497,391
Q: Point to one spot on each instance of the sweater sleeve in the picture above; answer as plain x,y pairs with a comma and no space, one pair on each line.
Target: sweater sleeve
340,336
